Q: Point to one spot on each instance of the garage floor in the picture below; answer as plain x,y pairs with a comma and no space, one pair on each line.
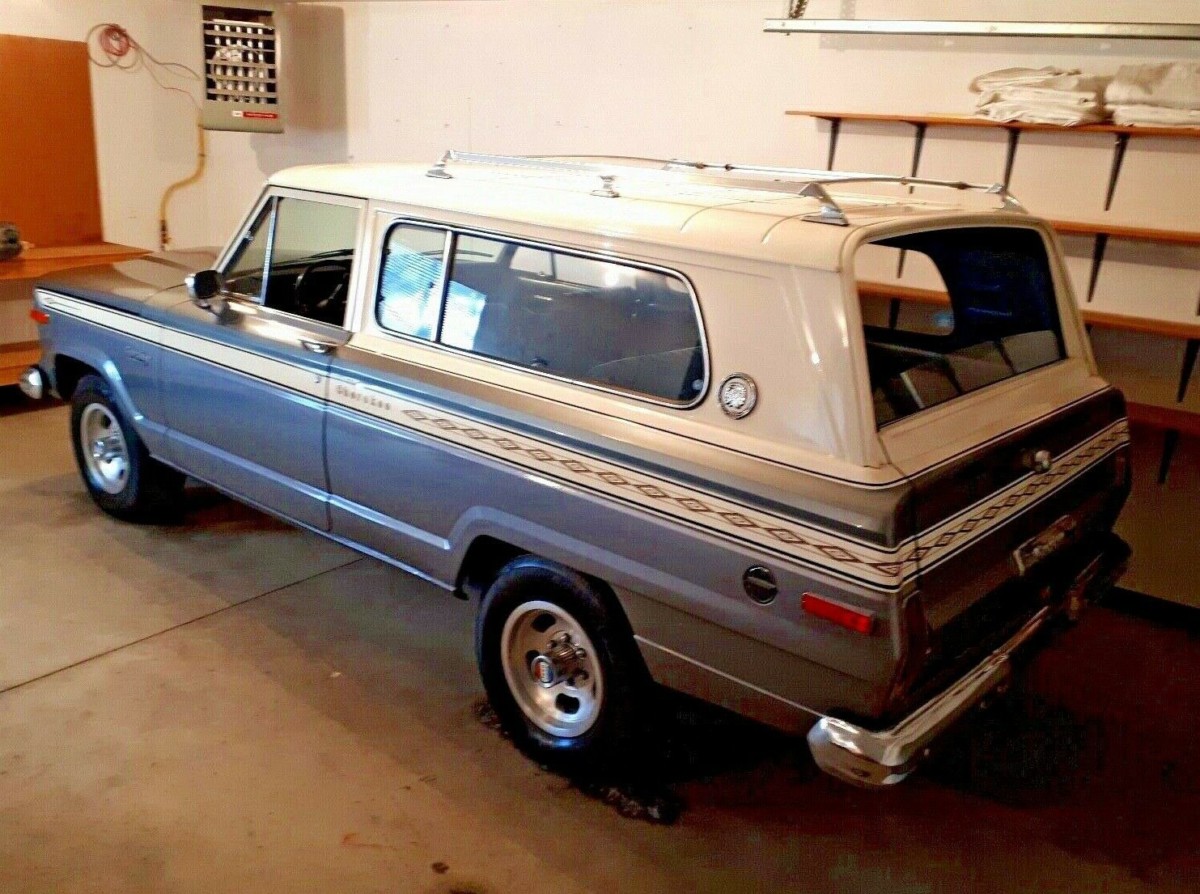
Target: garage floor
232,705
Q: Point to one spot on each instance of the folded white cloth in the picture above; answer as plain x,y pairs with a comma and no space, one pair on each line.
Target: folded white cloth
1065,115
1041,96
1171,85
1066,99
1155,116
1017,77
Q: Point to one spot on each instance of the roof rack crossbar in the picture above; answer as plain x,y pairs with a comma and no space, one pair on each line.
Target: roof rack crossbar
803,182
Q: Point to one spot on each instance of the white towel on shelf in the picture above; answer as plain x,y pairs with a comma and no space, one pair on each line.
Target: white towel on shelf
1017,77
1041,113
1155,116
1169,85
1065,99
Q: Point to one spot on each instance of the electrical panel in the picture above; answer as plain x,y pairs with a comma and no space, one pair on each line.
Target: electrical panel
241,70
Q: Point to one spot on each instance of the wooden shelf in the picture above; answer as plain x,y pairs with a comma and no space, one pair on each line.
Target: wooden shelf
1165,418
1123,322
15,357
1144,325
972,121
1014,129
1139,234
1168,419
38,262
891,292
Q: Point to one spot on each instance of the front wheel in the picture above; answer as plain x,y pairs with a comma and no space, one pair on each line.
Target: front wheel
560,667
117,469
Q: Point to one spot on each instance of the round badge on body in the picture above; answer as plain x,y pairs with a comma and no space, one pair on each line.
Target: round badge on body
738,395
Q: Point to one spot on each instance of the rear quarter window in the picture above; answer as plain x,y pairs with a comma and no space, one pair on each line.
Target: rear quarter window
590,320
984,311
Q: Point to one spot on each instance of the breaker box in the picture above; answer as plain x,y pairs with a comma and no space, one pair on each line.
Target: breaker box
241,70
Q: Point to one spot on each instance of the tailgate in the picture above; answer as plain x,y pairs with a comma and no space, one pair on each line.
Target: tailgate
987,401
1007,509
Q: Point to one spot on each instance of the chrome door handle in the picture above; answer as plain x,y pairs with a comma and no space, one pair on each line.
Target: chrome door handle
318,347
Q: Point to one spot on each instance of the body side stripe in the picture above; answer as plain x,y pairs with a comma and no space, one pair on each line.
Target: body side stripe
880,568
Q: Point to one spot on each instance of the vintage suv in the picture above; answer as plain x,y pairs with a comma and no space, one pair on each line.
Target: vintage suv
666,421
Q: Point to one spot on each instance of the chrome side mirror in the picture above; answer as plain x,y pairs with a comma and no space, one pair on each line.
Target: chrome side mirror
206,288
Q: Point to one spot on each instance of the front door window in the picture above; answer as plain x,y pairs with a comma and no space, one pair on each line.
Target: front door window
297,258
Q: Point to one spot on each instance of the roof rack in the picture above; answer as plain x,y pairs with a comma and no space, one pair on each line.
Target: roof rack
802,182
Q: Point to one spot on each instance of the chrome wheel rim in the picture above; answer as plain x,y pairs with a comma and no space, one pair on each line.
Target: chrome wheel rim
552,669
105,454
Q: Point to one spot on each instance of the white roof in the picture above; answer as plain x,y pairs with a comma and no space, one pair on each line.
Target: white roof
686,211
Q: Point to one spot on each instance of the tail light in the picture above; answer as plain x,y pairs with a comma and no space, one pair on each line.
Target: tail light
844,616
39,316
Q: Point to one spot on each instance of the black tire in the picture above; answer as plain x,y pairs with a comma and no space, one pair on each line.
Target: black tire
148,490
608,744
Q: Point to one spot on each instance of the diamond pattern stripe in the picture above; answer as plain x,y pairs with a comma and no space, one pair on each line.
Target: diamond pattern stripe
818,547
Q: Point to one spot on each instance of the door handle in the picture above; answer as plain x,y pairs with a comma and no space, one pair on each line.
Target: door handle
317,346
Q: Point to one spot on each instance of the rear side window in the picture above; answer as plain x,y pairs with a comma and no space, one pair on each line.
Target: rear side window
410,281
984,311
580,318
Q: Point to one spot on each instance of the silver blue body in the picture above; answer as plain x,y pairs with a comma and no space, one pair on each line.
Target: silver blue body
427,499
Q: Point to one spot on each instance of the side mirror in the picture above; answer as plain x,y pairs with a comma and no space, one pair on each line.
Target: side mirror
205,288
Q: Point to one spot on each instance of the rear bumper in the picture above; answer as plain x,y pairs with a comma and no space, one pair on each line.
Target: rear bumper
884,757
33,383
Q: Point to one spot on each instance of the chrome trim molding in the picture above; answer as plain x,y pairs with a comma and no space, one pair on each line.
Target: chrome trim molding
882,758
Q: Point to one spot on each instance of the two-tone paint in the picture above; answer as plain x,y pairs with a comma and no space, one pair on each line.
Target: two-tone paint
415,454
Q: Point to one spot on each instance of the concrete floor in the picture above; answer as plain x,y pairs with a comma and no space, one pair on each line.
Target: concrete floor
232,705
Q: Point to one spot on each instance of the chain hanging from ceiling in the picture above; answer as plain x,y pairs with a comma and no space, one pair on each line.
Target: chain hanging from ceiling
797,10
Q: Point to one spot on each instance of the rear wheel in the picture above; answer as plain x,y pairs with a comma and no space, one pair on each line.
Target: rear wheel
560,667
117,469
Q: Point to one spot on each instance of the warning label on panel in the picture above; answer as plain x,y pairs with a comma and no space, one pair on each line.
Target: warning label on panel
238,113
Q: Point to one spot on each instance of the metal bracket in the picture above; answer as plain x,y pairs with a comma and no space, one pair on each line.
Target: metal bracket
1098,250
1122,144
830,213
607,190
438,171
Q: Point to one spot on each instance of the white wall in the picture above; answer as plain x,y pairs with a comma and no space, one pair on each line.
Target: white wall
145,136
405,80
668,77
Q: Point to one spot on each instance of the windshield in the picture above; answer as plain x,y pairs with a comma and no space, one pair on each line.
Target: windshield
947,312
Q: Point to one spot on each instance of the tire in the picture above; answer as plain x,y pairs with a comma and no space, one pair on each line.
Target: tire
117,469
578,713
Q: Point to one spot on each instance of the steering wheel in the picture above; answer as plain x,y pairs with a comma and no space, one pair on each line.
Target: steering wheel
320,290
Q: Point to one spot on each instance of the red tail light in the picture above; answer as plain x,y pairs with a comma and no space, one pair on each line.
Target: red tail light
851,619
39,316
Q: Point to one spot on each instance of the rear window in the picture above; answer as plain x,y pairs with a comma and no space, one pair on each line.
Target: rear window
947,312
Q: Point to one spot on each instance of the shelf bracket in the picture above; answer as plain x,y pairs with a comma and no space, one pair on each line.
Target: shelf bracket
918,148
835,130
1122,144
1170,442
1010,155
1189,366
1098,249
914,169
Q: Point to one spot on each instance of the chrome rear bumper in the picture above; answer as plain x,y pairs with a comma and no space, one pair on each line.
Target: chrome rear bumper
885,757
32,383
